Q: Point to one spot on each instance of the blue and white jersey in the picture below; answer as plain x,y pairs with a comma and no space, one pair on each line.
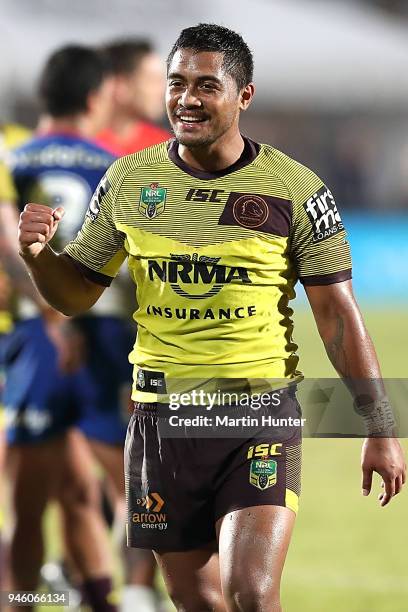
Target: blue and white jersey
60,169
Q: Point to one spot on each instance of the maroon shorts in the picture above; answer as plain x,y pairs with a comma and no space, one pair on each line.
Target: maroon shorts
177,488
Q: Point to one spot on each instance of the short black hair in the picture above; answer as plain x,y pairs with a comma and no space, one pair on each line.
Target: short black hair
238,60
69,76
124,55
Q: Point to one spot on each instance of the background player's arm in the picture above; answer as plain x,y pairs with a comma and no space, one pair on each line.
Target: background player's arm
351,351
57,277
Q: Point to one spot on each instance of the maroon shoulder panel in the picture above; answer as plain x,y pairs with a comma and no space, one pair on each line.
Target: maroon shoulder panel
259,212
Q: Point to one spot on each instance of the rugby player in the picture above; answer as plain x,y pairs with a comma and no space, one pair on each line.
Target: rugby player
47,387
217,229
11,135
139,82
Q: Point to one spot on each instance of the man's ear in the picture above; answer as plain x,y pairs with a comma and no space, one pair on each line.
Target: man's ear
246,96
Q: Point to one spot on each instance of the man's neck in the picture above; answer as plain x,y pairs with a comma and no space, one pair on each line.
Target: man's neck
218,156
79,125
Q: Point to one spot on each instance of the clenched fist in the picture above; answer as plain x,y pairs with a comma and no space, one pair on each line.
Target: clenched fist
38,224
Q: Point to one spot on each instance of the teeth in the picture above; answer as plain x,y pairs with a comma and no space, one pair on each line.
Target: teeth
190,119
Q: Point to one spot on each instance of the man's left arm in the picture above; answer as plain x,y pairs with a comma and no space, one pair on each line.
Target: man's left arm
351,351
320,252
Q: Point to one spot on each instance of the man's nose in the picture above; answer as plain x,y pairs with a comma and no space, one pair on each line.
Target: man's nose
189,98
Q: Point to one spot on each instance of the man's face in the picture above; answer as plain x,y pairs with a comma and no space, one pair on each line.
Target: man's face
142,91
202,100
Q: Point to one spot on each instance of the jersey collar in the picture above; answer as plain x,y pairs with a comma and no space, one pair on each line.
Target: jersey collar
249,153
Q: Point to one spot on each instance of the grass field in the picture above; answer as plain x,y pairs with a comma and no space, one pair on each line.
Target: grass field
347,554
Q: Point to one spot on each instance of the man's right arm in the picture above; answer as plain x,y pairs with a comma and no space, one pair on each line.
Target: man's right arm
58,278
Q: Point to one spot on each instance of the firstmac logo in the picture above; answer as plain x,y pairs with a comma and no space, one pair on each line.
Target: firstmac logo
323,214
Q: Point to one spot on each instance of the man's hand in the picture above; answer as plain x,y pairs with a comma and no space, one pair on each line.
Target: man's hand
385,456
57,277
38,224
352,353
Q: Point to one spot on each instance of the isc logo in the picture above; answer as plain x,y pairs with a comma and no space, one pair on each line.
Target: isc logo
264,450
204,195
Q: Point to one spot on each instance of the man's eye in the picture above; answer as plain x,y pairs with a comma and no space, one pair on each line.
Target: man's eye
176,84
208,86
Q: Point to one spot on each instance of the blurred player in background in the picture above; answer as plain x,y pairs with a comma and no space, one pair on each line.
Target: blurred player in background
139,82
13,277
47,384
138,94
11,135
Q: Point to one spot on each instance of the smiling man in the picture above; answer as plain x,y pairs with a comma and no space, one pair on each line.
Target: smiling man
217,230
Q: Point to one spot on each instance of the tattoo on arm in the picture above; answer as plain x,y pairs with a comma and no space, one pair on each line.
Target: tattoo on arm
336,350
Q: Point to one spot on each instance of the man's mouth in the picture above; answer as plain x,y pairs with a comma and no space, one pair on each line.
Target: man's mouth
190,119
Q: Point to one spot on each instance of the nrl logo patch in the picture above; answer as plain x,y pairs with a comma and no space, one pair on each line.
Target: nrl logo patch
141,379
263,473
152,200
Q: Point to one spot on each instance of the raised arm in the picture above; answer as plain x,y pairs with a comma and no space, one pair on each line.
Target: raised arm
58,278
351,351
9,246
9,254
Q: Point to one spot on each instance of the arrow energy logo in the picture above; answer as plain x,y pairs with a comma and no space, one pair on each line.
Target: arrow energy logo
154,502
153,518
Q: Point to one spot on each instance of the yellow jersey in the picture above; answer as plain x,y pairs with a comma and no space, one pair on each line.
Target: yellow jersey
11,135
214,257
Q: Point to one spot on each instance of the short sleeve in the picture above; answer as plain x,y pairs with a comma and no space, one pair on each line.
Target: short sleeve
318,241
98,248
